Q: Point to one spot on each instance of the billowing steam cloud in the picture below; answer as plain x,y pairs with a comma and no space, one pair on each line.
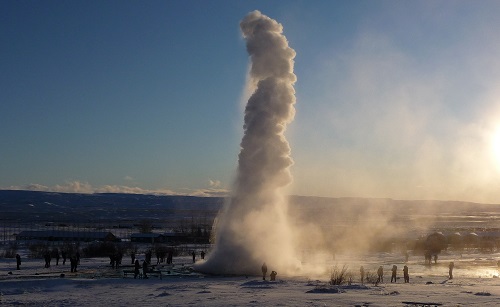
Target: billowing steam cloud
253,227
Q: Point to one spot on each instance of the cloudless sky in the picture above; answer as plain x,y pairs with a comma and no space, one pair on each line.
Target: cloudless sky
395,99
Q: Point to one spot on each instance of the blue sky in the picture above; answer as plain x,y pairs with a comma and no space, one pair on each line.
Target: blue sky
395,99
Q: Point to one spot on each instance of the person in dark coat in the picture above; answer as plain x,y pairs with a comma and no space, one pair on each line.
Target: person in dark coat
63,254
132,256
145,269
202,255
362,273
55,254
194,256
170,257
405,274
137,267
47,259
380,274
264,271
18,261
450,267
394,272
74,263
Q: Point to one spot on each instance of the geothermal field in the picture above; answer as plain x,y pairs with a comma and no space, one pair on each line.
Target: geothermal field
314,247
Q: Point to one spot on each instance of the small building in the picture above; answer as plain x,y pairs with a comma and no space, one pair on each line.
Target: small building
66,236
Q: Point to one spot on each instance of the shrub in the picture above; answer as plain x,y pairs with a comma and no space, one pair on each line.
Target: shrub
371,278
339,276
37,250
10,251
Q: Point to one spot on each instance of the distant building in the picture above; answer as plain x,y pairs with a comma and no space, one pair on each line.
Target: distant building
66,236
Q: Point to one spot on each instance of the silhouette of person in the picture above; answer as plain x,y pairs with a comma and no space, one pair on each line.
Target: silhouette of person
55,253
18,261
380,273
170,257
450,272
47,258
73,262
427,256
394,272
405,274
202,255
194,256
362,272
264,271
63,254
273,275
145,269
137,267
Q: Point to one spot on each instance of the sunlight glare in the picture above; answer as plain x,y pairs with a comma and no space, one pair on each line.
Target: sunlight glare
495,146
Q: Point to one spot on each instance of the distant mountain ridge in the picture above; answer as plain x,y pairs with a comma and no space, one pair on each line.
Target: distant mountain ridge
22,205
35,206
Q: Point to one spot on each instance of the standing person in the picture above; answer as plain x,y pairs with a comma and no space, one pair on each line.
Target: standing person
194,256
273,275
394,272
145,269
55,251
47,259
362,272
137,267
77,257
74,263
170,257
63,254
450,272
202,255
405,274
18,261
380,273
264,271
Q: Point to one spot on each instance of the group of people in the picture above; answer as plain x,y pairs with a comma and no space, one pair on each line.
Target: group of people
202,254
48,255
115,260
137,269
272,276
394,270
380,274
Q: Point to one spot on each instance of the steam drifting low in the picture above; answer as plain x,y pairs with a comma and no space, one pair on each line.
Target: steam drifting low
253,226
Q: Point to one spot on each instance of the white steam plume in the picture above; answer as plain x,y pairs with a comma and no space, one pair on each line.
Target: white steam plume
253,226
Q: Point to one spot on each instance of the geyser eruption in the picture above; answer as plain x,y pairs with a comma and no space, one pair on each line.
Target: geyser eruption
253,226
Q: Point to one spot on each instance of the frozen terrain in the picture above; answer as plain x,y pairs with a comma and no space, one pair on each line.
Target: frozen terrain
476,283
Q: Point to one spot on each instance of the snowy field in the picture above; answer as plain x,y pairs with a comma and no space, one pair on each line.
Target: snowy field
476,283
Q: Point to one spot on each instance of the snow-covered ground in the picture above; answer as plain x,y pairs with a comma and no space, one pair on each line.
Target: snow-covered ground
475,282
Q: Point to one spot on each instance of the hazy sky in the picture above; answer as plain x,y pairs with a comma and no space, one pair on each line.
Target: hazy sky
395,99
